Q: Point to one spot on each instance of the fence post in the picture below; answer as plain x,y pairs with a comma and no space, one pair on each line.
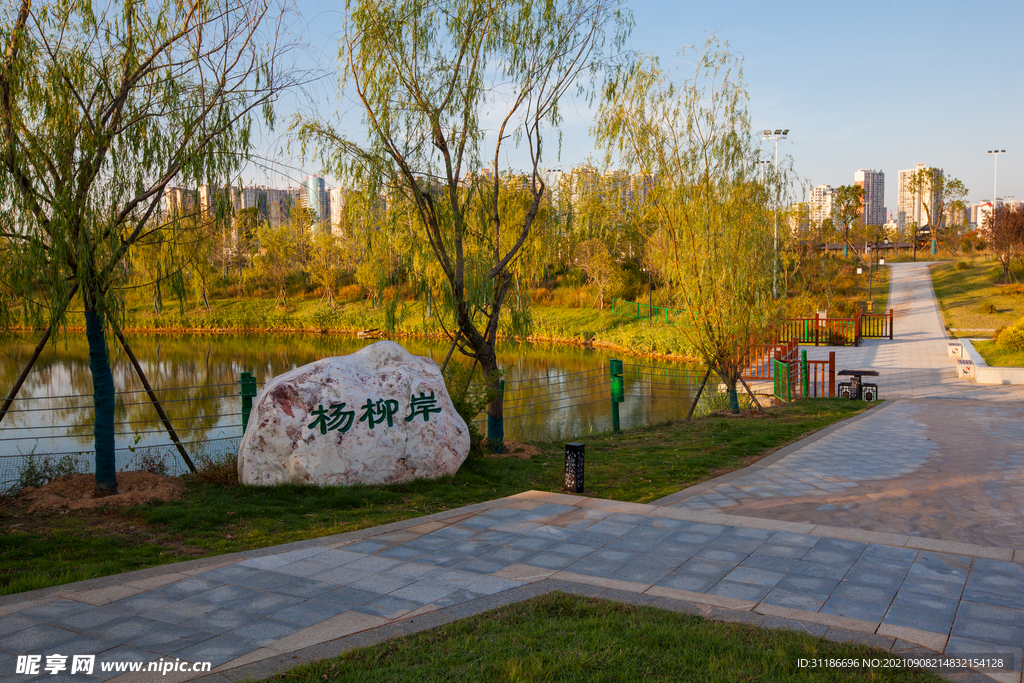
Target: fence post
890,324
803,370
856,328
618,391
248,392
832,374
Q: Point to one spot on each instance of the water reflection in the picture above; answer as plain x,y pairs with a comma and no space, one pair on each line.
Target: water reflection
552,392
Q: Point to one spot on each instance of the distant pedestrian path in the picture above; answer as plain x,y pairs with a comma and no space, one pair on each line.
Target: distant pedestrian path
914,364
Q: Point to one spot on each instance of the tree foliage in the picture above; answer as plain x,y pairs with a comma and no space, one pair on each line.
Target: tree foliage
431,78
100,109
711,236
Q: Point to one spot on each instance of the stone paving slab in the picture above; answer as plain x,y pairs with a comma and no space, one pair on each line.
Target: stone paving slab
816,579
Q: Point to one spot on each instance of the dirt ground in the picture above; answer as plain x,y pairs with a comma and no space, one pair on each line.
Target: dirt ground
77,492
514,449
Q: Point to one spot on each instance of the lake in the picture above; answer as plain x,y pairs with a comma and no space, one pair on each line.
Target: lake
553,392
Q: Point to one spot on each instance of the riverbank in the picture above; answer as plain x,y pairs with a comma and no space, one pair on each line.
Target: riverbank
411,319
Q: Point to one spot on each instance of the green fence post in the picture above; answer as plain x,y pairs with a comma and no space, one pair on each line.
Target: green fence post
806,386
618,391
248,392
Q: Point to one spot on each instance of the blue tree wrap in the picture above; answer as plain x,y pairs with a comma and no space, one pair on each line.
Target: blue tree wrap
495,434
103,402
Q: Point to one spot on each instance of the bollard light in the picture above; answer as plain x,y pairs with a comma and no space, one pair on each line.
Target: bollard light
860,271
574,467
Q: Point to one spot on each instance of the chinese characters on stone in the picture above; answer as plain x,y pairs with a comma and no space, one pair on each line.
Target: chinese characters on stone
335,417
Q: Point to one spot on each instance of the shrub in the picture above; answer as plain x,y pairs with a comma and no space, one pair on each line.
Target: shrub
541,296
35,472
219,469
989,308
153,463
470,399
350,293
962,265
1012,338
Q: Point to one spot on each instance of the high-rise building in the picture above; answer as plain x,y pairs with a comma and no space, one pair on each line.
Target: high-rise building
820,206
913,203
873,183
315,196
179,200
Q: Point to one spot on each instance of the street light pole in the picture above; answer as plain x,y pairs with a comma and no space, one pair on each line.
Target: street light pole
995,173
779,134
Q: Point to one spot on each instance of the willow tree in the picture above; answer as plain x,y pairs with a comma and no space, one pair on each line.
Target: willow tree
710,231
939,196
447,87
100,109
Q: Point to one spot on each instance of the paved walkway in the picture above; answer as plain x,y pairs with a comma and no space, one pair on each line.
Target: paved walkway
898,528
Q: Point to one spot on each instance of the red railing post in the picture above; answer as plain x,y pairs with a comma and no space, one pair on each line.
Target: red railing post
832,374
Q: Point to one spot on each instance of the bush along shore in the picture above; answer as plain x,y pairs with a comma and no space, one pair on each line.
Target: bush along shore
551,324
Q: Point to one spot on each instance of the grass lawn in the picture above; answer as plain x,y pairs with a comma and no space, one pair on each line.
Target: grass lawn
559,637
974,299
39,550
997,357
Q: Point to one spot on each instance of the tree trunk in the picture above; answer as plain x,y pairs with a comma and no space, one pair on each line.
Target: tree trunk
103,403
734,400
496,408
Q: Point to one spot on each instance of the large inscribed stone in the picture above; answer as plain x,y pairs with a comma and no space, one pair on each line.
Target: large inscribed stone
377,416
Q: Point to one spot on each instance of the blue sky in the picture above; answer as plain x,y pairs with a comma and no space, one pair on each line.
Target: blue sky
879,85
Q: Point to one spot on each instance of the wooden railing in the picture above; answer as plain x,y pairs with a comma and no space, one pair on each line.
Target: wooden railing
838,331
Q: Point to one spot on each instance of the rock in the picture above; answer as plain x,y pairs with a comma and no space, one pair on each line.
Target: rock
377,416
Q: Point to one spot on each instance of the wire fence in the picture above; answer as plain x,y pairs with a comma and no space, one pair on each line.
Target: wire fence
550,406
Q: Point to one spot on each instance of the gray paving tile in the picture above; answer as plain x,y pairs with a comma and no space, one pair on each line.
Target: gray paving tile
122,653
710,554
124,629
789,538
534,542
424,593
389,606
474,523
797,600
556,533
856,609
689,582
403,552
309,612
13,623
341,576
220,620
758,577
302,568
780,550
912,618
613,528
742,591
549,560
182,610
472,548
991,613
925,603
503,513
167,639
381,583
146,601
188,587
230,573
876,579
506,554
263,631
689,536
937,570
454,533
54,609
413,570
887,565
592,566
264,581
705,568
990,581
305,588
988,632
348,596
218,596
828,571
368,547
266,603
646,569
478,565
772,563
1014,600
443,558
489,585
942,589
85,620
373,564
1008,569
818,587
217,650
338,558
454,578
493,537
433,541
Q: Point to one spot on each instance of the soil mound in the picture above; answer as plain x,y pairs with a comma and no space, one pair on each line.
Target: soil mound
514,449
77,492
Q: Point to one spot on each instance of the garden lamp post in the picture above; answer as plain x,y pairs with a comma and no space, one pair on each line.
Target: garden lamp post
779,134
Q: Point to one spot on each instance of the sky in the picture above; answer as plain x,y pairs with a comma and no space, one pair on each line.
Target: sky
866,85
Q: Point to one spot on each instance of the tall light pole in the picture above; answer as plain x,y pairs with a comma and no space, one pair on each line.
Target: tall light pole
779,134
995,173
